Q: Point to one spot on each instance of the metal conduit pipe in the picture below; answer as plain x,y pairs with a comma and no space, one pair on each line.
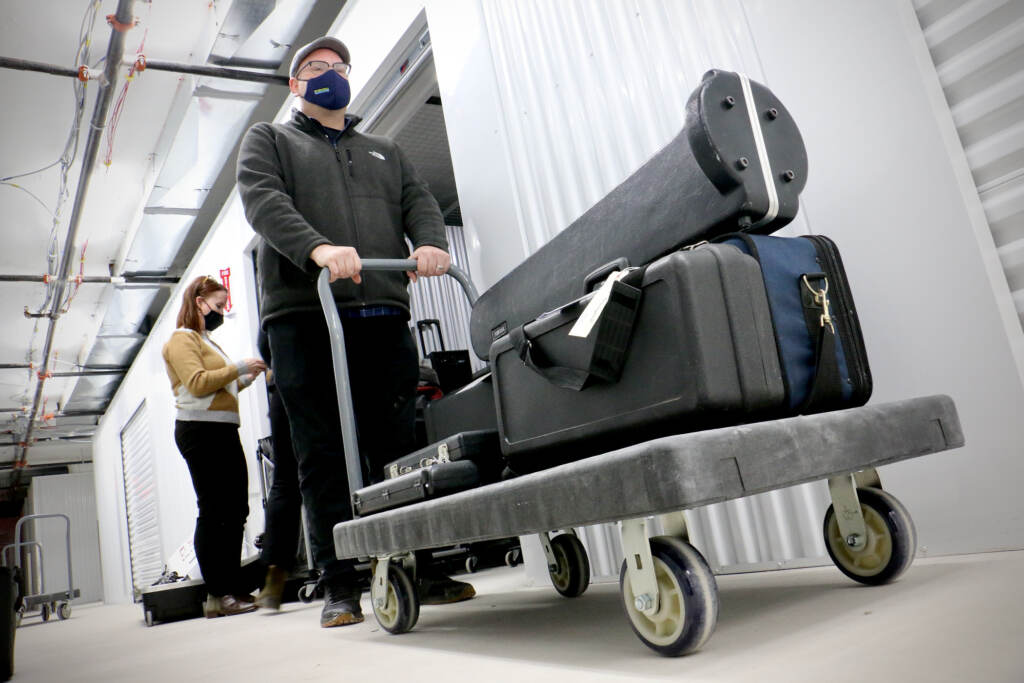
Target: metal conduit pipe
155,65
97,279
89,373
115,52
216,72
40,67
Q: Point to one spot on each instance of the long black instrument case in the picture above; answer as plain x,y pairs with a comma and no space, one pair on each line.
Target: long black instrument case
817,331
738,164
701,354
429,482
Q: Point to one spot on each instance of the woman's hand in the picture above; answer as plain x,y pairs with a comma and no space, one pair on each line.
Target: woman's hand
254,366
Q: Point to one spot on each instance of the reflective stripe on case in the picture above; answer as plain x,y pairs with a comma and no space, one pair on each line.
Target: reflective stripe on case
762,154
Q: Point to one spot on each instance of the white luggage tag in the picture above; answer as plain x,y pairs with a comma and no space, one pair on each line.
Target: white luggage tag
592,313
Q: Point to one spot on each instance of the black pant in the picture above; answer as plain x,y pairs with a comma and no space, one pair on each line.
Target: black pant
383,370
216,462
284,502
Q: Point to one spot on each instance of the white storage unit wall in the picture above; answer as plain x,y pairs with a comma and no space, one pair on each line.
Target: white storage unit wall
978,50
73,495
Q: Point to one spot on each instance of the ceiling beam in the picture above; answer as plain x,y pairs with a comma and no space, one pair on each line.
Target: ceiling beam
319,20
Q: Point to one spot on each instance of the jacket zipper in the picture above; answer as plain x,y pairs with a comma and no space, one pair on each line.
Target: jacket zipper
348,197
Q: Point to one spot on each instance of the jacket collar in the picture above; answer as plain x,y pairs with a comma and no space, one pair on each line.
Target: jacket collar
311,125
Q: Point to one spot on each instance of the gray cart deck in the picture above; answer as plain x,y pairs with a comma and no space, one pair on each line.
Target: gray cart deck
665,475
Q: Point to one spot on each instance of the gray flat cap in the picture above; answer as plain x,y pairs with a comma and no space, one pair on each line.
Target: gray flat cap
325,42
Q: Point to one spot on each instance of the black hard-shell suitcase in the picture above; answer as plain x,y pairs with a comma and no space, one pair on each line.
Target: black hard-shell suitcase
479,446
468,409
738,164
702,354
430,482
817,331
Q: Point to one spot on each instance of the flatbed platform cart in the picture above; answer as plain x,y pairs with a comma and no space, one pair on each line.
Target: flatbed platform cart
668,591
58,602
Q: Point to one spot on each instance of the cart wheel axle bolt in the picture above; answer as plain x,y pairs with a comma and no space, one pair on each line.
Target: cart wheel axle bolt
643,602
853,540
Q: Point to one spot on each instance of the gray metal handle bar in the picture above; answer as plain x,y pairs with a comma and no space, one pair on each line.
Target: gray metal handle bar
18,542
340,361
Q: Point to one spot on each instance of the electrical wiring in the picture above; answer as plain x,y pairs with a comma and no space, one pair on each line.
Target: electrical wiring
70,151
78,280
115,113
31,194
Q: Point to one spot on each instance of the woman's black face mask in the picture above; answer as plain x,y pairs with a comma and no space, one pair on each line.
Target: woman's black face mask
213,320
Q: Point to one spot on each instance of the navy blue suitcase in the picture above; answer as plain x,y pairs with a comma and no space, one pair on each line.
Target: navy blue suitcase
821,346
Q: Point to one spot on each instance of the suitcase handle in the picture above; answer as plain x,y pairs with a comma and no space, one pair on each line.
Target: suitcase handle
427,324
601,272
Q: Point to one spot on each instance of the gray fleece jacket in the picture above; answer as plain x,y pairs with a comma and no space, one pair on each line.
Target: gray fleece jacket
300,191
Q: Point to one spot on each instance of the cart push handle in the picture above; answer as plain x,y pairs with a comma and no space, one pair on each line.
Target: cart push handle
18,541
338,358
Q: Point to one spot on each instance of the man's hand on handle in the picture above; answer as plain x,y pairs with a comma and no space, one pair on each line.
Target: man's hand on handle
343,262
431,261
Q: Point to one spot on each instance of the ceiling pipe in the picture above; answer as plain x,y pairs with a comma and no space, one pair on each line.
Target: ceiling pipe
97,279
89,373
155,65
115,52
40,67
216,72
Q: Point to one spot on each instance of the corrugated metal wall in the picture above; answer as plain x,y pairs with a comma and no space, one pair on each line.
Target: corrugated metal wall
978,50
75,496
141,504
590,91
442,298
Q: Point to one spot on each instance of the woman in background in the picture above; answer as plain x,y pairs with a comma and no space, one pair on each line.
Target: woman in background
206,382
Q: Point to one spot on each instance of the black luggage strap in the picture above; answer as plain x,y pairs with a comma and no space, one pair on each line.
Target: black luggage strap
607,343
559,375
826,387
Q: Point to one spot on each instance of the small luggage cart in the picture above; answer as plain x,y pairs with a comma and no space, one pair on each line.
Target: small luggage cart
668,590
59,602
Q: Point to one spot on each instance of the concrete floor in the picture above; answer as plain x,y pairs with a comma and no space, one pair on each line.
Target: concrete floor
948,619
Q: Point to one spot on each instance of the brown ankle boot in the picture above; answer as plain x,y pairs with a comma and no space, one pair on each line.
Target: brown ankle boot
273,588
225,606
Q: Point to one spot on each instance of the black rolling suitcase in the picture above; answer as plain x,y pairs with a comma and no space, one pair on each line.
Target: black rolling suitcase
821,346
429,482
702,354
739,163
479,446
452,367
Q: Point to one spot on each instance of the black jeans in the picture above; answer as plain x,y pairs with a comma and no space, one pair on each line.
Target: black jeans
383,371
284,502
216,462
